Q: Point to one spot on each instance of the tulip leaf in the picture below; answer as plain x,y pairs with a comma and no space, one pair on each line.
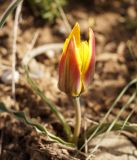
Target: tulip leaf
10,8
95,132
21,116
112,124
50,104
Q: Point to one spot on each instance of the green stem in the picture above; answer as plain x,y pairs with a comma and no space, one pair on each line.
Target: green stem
76,103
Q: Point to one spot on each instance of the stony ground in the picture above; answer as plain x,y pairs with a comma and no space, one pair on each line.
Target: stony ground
114,24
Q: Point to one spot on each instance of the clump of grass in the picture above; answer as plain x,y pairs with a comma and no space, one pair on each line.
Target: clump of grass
47,9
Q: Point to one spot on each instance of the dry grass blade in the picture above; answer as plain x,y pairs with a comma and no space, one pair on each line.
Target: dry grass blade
40,50
63,15
11,7
14,47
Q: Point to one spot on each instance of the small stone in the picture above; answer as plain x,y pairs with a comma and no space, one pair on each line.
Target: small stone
113,146
36,69
7,76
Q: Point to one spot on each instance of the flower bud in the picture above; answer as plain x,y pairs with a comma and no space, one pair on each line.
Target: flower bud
77,63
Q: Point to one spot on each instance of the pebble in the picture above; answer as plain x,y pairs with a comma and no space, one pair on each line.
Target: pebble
6,76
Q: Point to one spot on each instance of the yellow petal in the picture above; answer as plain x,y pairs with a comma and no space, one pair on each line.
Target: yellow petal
84,55
74,33
89,69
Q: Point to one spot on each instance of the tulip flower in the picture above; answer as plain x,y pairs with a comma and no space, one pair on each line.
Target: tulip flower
76,67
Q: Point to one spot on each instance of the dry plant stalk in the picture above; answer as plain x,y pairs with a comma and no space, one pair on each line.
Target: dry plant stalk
14,47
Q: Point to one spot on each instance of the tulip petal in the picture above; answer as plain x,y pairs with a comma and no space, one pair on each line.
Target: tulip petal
88,75
69,70
85,56
74,33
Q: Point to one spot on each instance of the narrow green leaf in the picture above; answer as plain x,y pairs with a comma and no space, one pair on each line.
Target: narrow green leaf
113,124
121,111
10,8
21,116
51,105
105,126
134,81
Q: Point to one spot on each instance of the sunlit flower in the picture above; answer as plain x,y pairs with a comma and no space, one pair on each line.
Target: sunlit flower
76,66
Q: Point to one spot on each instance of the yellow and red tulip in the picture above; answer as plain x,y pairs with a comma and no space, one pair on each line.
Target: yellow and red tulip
76,67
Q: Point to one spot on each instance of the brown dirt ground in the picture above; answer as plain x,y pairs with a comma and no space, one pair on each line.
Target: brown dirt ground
114,23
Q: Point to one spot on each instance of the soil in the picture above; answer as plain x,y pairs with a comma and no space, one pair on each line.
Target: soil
114,24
